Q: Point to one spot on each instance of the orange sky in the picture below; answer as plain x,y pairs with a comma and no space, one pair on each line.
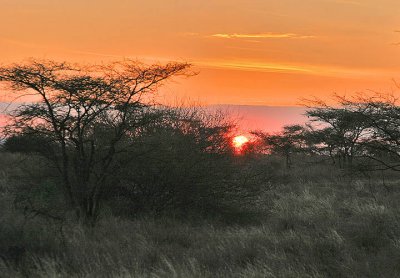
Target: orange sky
252,52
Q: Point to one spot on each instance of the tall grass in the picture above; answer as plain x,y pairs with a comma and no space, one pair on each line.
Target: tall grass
331,227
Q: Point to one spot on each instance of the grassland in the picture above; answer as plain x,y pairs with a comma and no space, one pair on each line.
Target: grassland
316,221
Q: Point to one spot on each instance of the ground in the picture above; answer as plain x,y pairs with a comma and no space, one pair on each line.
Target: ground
315,222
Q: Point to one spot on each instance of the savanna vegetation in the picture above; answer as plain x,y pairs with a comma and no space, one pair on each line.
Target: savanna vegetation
97,180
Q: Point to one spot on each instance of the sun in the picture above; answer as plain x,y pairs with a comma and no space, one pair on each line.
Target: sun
239,141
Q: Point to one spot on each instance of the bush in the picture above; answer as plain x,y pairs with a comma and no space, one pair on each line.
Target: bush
184,165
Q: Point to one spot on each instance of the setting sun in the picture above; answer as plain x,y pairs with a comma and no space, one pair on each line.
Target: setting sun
239,141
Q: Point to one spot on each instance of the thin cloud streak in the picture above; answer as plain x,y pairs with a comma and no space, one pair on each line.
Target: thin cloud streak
261,36
258,67
329,71
351,2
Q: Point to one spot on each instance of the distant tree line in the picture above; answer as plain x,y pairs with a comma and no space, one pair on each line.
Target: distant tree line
360,132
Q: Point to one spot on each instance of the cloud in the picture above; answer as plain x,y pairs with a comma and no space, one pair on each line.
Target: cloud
308,69
252,66
261,36
351,2
190,34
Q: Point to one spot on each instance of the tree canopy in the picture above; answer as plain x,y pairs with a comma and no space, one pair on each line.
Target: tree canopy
85,113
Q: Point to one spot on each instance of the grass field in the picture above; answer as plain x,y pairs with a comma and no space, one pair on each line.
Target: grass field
315,222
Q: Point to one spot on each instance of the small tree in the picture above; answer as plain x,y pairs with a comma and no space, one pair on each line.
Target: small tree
342,130
85,113
286,143
183,164
381,115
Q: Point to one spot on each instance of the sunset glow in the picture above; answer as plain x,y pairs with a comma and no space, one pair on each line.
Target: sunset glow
279,49
258,53
239,141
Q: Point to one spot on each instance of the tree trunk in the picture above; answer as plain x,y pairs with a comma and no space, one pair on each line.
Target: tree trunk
288,162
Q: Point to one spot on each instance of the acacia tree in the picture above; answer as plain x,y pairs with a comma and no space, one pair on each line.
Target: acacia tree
85,113
342,131
381,114
366,127
285,143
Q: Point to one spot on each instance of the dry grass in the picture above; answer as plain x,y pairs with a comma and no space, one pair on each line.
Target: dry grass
304,229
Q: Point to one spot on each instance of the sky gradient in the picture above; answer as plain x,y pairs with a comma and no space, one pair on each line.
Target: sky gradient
247,52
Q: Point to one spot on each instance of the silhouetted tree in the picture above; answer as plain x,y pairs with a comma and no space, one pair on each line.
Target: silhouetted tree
184,163
291,140
341,130
78,106
381,114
